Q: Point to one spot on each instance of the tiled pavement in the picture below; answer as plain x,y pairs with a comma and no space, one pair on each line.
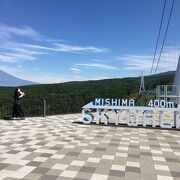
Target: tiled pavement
56,148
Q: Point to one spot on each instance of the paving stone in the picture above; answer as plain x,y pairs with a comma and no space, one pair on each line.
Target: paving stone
48,177
117,173
131,175
87,169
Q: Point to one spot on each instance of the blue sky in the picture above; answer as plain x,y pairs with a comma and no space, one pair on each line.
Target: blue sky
63,40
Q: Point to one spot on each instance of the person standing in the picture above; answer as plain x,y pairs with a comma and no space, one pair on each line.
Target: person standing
17,111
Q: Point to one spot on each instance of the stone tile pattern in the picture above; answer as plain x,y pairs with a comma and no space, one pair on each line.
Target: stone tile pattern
57,148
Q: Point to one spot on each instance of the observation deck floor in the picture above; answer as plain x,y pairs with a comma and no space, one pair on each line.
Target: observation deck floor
57,148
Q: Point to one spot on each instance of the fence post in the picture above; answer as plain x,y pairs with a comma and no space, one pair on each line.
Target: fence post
44,108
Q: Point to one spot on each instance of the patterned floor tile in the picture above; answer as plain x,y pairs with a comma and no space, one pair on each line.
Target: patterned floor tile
56,147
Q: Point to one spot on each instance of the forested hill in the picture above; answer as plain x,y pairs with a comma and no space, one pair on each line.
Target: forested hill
118,87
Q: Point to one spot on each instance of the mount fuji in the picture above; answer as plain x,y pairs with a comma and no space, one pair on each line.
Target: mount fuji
9,80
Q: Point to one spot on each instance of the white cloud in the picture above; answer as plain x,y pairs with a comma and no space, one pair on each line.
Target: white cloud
78,49
17,56
135,62
9,31
11,70
131,62
98,65
19,47
6,58
23,51
13,51
37,47
67,48
75,70
51,77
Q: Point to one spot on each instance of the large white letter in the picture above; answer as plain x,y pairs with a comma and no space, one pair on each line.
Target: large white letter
162,123
97,102
177,119
88,116
131,102
107,102
101,115
117,116
114,102
132,120
149,115
124,102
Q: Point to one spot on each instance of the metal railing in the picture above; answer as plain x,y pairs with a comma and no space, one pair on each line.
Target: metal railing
30,106
42,106
168,93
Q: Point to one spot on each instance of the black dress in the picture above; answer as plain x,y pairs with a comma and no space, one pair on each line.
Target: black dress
17,111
